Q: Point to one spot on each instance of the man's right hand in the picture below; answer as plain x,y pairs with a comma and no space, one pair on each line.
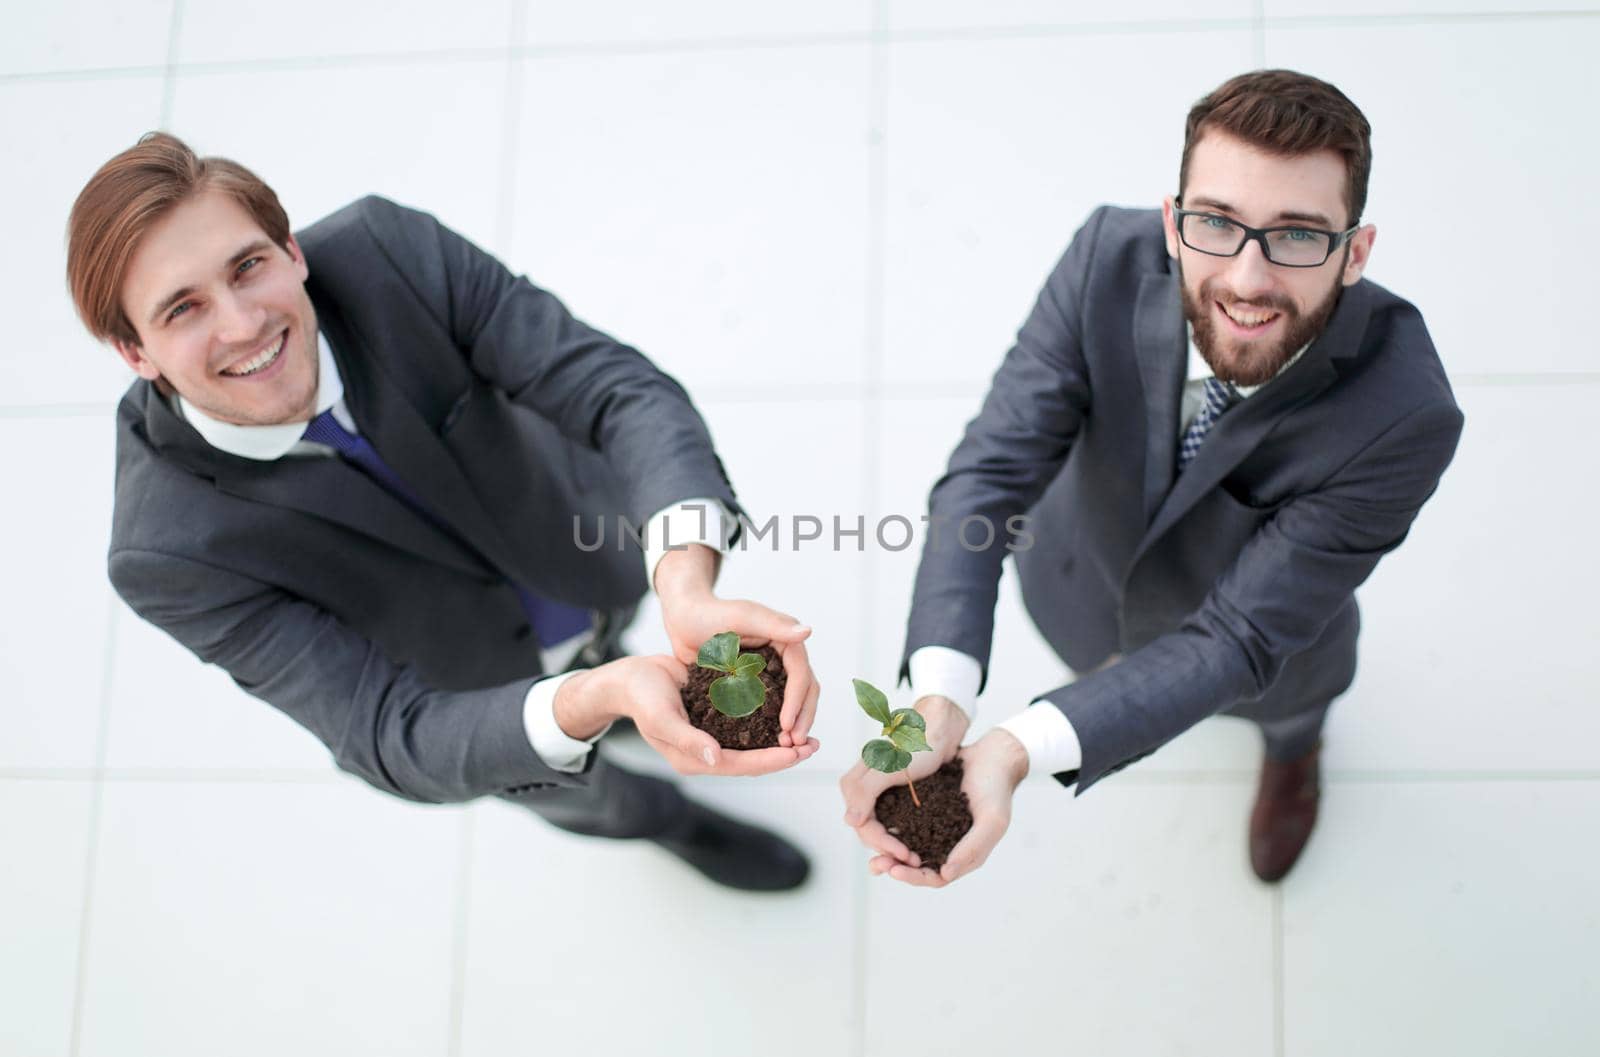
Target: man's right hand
947,725
647,690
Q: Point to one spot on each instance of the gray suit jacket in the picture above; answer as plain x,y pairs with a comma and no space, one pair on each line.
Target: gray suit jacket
1229,587
406,652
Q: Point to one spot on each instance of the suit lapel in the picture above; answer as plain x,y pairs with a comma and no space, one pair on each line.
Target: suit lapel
407,441
325,488
1238,432
1159,344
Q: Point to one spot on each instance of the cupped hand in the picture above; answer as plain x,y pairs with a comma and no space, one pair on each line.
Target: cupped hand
861,785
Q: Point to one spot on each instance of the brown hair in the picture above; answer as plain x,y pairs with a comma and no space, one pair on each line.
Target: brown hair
1287,113
128,195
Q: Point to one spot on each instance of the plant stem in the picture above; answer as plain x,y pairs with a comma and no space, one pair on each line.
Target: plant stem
913,786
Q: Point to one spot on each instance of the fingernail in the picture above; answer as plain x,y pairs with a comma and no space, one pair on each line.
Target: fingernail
798,628
708,756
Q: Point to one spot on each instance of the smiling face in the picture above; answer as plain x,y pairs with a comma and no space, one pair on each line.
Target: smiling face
222,314
1249,315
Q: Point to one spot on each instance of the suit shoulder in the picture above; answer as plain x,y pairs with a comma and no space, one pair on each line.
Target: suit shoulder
1398,351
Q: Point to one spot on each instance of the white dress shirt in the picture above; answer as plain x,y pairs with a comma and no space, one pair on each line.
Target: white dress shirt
1047,735
703,521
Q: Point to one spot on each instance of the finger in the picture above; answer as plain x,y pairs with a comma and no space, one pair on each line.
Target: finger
874,836
879,864
798,684
758,625
918,878
672,727
808,712
861,787
973,849
684,765
672,666
808,748
747,763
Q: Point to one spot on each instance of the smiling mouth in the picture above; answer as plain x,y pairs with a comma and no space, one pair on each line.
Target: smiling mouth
261,360
1248,319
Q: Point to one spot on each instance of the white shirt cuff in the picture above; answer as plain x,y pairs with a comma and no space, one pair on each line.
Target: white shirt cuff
555,748
948,673
703,521
1048,736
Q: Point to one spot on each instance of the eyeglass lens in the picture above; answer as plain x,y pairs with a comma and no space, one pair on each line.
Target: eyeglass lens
1294,246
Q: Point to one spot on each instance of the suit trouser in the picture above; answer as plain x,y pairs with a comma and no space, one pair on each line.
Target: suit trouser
614,802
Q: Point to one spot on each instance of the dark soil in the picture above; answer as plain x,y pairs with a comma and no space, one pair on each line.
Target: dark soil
938,825
758,730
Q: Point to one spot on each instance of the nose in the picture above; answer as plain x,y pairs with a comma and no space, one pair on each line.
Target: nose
239,320
1250,274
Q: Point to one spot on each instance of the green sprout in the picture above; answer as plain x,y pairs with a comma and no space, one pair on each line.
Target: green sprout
741,691
903,734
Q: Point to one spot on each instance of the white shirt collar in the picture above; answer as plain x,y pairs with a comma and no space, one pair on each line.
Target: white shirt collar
267,443
1200,370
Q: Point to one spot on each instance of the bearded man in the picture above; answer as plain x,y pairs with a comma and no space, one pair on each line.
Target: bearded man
1218,428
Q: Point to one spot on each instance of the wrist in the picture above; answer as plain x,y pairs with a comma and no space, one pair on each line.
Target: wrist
686,574
580,706
1009,752
947,723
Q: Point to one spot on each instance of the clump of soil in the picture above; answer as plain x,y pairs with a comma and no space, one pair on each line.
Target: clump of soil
938,825
758,730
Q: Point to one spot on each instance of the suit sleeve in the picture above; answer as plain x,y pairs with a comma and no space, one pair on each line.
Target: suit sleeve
1009,454
598,392
1288,582
377,718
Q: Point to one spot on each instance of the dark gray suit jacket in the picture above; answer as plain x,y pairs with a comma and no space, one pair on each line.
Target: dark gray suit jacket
406,652
1228,587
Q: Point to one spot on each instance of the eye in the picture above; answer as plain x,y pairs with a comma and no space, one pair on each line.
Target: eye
1299,235
1216,223
177,310
245,264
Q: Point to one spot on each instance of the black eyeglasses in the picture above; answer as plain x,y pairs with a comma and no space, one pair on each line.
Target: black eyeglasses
1292,247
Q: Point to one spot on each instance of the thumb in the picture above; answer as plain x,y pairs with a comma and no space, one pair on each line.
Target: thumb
862,796
698,745
756,621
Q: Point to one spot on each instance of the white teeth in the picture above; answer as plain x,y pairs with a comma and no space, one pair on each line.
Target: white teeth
1248,319
265,357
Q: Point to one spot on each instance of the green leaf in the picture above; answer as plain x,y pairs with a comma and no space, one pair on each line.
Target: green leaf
910,717
750,664
909,739
872,701
737,695
719,652
880,755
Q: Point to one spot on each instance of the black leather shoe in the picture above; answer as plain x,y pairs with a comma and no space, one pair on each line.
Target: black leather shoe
733,853
1284,814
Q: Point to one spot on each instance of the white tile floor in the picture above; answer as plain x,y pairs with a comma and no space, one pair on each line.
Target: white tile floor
827,220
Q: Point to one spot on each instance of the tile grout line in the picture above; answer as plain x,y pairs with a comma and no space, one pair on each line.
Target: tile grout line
1277,971
463,918
619,48
510,135
1258,34
96,805
169,78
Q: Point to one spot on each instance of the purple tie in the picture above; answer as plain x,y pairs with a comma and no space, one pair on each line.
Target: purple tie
553,622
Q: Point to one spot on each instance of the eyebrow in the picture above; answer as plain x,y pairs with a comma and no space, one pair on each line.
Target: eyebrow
1290,215
176,296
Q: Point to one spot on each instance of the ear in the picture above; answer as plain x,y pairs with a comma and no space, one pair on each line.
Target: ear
133,355
1360,251
1169,224
297,255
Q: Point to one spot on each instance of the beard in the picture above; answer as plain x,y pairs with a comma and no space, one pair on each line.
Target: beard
1245,362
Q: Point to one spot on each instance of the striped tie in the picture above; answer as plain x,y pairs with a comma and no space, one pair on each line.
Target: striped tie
553,622
1219,397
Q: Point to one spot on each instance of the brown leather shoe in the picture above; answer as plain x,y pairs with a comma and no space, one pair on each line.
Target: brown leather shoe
1285,811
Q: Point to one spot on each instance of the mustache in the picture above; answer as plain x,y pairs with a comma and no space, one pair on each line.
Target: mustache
1212,290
